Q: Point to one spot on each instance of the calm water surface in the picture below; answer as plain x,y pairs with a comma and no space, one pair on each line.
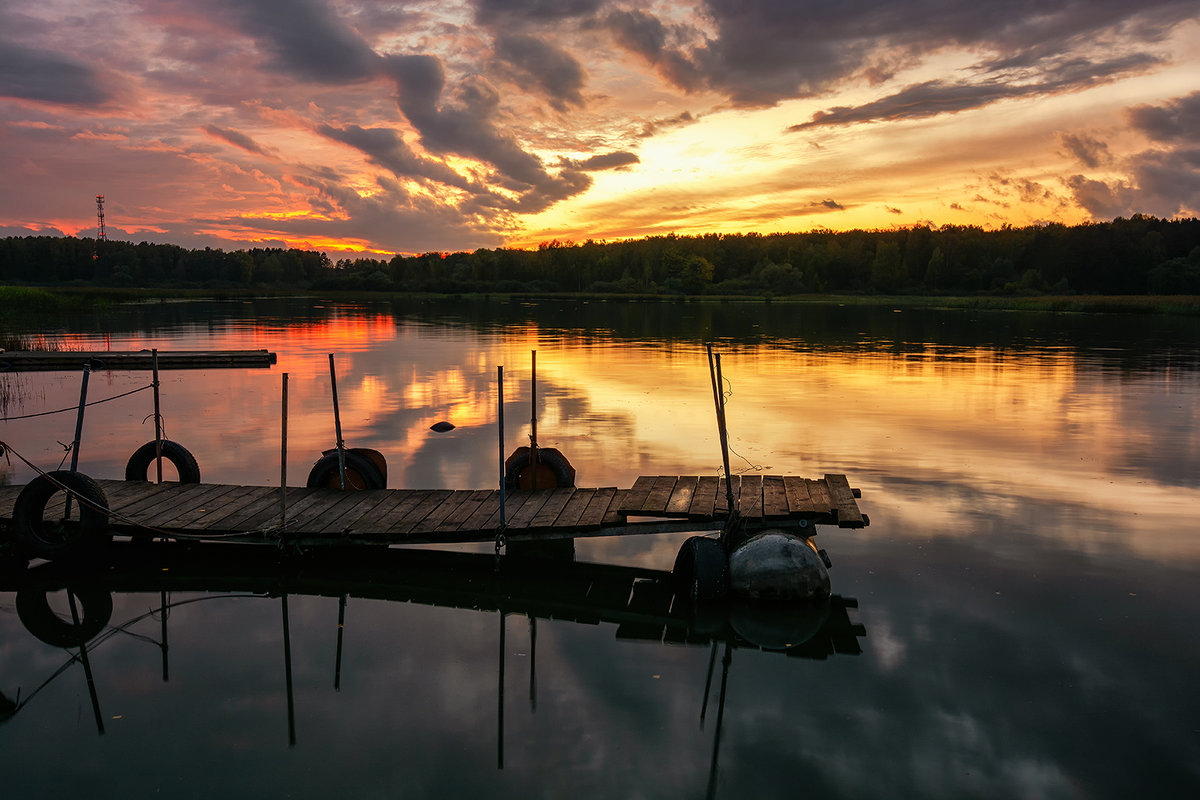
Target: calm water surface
1021,612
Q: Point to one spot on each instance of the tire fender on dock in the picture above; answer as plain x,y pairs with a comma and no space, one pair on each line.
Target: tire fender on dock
553,470
361,472
138,467
38,537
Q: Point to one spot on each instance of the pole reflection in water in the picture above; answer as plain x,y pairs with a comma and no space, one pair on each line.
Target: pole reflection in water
641,602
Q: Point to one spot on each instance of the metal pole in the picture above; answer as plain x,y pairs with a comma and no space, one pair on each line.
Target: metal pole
500,414
87,371
725,440
337,424
337,667
287,670
283,462
533,446
87,667
500,714
712,774
157,414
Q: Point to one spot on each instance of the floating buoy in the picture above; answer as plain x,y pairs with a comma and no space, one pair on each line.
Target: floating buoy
138,467
441,427
778,566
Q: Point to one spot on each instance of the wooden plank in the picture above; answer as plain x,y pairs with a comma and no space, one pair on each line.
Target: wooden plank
383,515
798,499
721,507
750,498
656,502
819,493
681,496
775,503
613,515
186,503
594,513
250,507
237,501
268,518
365,502
189,518
529,510
512,505
705,498
427,506
312,521
167,497
110,360
464,511
147,495
843,497
575,507
553,507
312,505
447,507
487,509
638,494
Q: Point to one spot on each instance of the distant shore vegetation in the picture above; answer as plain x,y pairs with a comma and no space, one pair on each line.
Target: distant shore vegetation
1140,255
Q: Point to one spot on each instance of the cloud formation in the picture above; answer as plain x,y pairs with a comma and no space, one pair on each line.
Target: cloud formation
412,127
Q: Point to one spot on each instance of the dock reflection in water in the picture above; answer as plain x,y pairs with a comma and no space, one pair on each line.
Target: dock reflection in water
70,605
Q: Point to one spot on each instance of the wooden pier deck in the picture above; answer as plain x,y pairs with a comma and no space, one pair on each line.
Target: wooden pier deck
58,360
654,504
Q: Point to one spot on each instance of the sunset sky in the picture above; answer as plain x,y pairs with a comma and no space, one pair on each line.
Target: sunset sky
384,127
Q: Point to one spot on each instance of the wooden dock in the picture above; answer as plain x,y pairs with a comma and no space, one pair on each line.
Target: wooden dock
654,504
70,360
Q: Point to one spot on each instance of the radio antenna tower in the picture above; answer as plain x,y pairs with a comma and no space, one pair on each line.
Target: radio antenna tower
100,236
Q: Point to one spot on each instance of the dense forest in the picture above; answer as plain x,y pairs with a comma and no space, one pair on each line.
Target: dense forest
1139,255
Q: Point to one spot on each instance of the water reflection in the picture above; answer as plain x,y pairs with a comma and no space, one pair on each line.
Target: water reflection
70,606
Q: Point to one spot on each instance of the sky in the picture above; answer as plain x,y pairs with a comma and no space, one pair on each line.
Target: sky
358,127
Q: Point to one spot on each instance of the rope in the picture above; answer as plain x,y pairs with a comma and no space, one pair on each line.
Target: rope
6,418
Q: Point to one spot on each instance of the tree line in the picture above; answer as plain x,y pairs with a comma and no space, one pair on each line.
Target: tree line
1138,255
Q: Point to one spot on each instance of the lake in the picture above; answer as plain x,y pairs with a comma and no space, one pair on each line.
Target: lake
1018,620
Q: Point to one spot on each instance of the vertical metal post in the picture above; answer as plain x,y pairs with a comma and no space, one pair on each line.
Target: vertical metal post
83,386
87,666
500,692
337,424
157,414
500,415
283,461
337,667
533,446
733,509
287,670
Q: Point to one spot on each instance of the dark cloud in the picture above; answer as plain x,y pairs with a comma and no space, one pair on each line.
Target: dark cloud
761,51
892,210
235,138
1163,181
306,39
935,97
1173,121
47,77
831,204
489,12
385,147
554,71
654,127
609,161
1087,150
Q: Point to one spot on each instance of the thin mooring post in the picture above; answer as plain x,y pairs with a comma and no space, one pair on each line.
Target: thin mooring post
287,670
337,424
500,696
283,462
157,413
337,665
714,369
87,665
83,386
533,446
500,425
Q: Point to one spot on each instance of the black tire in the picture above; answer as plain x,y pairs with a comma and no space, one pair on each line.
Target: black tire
701,570
95,608
38,537
552,460
138,468
361,473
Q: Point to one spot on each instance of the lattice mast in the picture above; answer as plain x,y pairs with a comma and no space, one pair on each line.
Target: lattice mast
100,235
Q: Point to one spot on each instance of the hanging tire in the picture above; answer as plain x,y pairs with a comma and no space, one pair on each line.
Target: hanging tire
553,470
94,605
701,570
138,468
38,537
361,473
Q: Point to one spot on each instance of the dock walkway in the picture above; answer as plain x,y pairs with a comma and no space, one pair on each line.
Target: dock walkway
654,504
